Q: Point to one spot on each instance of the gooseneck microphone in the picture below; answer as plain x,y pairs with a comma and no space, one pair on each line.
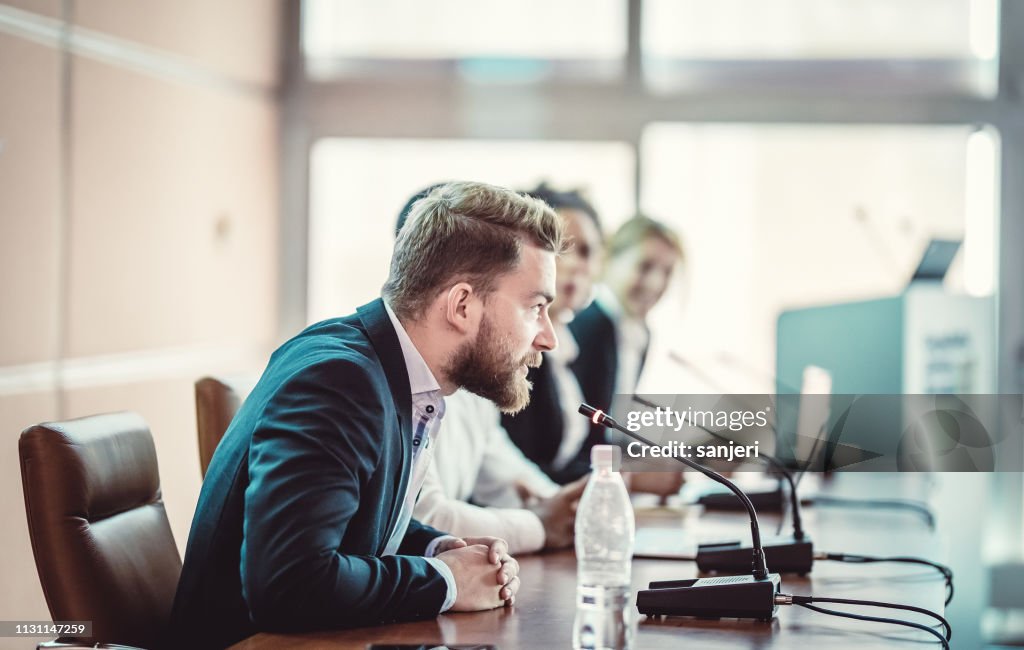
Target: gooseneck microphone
764,500
793,554
742,596
780,467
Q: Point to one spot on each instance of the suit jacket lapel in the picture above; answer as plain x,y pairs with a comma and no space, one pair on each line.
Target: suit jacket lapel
596,365
611,350
385,342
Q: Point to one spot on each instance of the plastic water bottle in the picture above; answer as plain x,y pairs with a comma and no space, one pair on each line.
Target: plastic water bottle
605,531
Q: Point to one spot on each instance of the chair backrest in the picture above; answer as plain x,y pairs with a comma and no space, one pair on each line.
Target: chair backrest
216,405
101,539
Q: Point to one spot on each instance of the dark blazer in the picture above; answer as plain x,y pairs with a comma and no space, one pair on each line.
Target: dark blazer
597,365
303,492
538,429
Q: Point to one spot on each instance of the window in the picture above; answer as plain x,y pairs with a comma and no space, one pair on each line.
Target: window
505,38
358,187
780,216
839,43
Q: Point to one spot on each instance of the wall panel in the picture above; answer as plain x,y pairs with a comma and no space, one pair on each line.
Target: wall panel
237,38
29,200
173,200
143,198
49,8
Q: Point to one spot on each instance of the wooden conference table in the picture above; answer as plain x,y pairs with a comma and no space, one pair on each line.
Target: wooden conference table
545,607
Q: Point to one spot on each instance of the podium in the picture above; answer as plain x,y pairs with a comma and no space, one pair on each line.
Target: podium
922,342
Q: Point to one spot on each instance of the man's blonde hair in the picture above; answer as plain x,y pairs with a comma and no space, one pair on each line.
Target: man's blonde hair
464,232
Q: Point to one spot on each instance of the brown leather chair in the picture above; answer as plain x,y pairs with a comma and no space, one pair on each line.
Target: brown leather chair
216,405
101,539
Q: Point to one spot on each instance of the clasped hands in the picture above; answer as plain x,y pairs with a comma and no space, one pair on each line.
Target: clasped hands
486,576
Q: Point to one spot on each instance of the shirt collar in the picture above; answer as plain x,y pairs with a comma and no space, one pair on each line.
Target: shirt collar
421,379
567,349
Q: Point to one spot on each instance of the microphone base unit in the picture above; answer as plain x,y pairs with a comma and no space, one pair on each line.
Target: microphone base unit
763,501
741,596
782,554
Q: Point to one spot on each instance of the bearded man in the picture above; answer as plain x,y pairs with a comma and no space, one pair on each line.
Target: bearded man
305,520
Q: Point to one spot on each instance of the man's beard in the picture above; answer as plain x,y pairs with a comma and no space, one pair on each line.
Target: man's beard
487,367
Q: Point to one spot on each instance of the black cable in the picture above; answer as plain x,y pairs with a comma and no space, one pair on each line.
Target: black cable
803,472
804,600
946,572
813,453
798,529
782,518
878,619
919,508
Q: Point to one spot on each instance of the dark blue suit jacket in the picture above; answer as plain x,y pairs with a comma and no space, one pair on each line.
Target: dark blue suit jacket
539,428
302,495
597,365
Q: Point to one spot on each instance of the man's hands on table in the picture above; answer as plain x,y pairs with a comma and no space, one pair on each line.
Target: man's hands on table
486,576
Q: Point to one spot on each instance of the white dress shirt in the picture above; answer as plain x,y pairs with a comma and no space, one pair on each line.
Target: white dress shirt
427,410
475,461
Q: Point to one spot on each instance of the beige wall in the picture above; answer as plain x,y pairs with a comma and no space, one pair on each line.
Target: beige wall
29,200
138,227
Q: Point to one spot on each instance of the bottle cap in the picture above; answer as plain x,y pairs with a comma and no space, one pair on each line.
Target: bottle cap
603,455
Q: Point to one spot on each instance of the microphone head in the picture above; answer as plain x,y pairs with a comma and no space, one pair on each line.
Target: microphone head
595,415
